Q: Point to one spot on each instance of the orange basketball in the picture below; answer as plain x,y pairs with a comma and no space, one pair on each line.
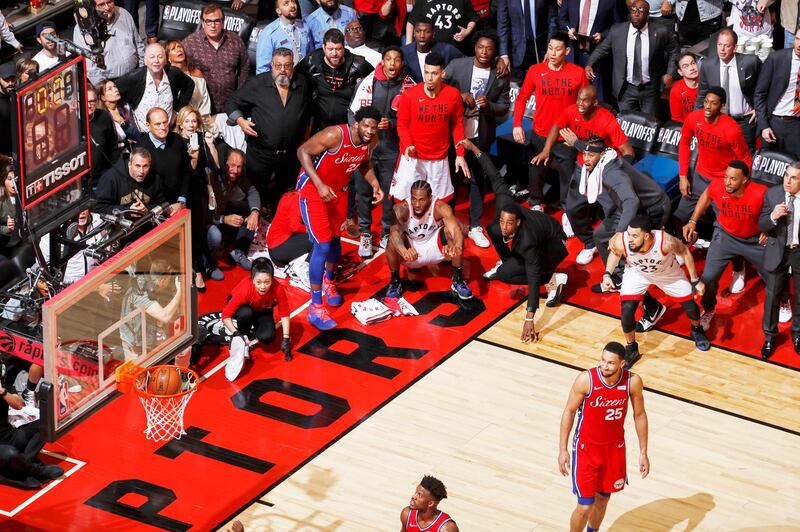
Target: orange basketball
165,380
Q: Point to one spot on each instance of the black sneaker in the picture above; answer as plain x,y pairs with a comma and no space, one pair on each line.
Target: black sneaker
701,341
632,354
46,472
649,320
29,483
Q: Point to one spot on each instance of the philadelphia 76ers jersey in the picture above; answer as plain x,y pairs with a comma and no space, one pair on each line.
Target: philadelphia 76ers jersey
334,168
601,417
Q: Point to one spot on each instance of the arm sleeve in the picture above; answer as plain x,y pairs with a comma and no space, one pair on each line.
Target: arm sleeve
765,224
500,107
106,194
241,102
602,50
675,104
533,270
524,95
672,55
253,198
630,201
740,146
684,148
283,302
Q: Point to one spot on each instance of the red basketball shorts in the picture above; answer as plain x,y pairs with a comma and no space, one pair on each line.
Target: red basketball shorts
597,469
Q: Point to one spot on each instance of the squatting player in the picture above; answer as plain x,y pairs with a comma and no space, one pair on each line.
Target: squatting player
600,397
650,259
422,512
424,231
328,159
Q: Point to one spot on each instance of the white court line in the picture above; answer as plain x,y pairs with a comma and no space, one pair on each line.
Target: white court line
52,484
302,307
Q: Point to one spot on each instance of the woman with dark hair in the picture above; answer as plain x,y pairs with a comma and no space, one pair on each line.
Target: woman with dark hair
26,69
110,100
9,234
177,57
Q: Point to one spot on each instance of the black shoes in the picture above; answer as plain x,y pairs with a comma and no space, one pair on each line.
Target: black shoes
46,472
700,339
796,343
632,354
768,349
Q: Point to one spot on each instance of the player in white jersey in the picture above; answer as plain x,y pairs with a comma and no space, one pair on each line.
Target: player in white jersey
424,231
651,259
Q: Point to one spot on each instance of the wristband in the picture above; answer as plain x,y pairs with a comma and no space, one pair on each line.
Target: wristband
528,319
606,273
691,222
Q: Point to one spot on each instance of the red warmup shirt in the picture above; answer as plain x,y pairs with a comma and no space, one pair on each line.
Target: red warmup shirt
286,222
553,90
602,123
717,145
426,123
681,100
245,294
738,216
367,6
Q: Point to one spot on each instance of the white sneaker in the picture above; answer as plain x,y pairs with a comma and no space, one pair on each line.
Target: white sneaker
555,289
705,319
586,255
702,244
365,246
567,226
298,276
785,313
537,208
737,282
490,273
477,235
384,241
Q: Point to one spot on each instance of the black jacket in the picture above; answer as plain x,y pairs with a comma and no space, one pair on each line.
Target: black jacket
117,189
103,145
171,163
131,87
331,105
771,85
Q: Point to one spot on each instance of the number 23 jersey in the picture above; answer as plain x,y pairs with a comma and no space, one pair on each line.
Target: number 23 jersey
601,417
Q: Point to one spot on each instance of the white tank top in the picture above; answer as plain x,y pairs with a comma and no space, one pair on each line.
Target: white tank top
654,261
420,229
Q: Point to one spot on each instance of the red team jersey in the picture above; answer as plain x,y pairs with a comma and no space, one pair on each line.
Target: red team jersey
428,123
717,145
412,524
602,123
598,448
681,100
738,216
554,90
323,219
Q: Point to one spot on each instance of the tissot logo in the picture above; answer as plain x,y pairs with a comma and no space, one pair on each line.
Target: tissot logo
52,177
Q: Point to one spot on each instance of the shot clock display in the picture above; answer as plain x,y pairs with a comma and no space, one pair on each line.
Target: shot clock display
51,135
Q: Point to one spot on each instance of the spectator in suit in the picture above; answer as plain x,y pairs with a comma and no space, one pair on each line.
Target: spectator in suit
330,15
737,74
289,31
776,99
779,220
155,85
485,99
644,59
424,44
697,19
522,29
683,93
170,158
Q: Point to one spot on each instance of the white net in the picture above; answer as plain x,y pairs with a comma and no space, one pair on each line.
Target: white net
165,412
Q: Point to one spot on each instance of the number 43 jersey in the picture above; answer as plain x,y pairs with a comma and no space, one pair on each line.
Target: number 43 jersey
601,417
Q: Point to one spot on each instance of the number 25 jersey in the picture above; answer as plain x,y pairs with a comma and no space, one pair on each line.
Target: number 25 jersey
601,417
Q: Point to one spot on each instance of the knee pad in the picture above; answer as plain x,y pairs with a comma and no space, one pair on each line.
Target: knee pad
691,309
629,315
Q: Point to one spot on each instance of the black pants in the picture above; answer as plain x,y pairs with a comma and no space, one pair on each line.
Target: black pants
296,245
384,171
27,439
787,131
748,130
272,172
513,269
777,290
262,323
724,248
692,32
477,189
642,98
563,162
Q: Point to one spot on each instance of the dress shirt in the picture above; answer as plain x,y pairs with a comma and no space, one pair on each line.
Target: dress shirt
645,54
737,104
154,96
281,34
785,105
123,51
225,67
592,15
159,144
320,21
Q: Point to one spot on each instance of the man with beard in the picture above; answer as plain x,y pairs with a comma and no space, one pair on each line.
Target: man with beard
382,90
287,31
277,103
416,52
651,259
47,57
330,15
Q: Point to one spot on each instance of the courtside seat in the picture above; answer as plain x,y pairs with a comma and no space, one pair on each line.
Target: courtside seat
641,131
769,166
182,17
662,163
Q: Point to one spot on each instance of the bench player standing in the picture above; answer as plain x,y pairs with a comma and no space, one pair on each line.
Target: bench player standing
600,397
328,159
429,114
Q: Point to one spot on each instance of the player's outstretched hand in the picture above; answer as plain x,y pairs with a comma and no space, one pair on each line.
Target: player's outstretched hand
644,464
461,164
468,145
519,135
689,233
529,333
563,462
377,195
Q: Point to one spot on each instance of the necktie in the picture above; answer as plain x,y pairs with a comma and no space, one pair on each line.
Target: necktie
726,82
637,60
796,110
583,27
790,238
526,11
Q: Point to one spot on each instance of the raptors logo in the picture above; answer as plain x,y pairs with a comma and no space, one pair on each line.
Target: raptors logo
7,344
212,331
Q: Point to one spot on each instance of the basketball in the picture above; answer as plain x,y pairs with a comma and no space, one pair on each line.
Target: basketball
165,380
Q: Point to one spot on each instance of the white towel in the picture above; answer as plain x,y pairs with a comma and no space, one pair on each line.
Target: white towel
591,185
370,312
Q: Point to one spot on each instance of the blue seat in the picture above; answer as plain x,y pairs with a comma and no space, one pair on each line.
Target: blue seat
662,163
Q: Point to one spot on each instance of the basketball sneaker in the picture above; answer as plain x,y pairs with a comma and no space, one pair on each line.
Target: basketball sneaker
649,319
318,317
240,258
46,472
537,207
785,313
477,235
567,226
365,246
700,339
586,255
30,398
705,319
632,354
737,282
490,273
331,293
461,289
298,275
395,291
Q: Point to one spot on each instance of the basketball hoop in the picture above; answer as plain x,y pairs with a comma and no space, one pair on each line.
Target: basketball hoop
164,412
